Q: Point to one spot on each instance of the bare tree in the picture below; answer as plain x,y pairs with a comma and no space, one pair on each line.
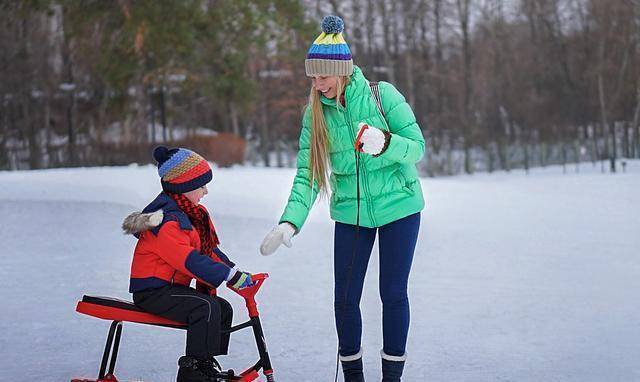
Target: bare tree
463,7
386,18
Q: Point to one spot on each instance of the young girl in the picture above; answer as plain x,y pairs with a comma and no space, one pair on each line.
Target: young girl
380,185
177,242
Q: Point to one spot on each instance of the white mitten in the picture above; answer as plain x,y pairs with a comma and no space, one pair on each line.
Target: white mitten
372,139
281,234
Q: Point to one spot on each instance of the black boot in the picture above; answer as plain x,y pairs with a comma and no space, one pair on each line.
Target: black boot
213,369
352,368
392,367
193,370
212,365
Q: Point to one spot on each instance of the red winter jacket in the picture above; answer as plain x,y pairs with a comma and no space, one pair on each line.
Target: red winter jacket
169,252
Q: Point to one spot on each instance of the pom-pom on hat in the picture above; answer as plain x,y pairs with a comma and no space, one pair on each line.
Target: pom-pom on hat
181,170
329,54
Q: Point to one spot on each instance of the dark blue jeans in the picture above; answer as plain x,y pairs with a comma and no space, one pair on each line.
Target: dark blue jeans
397,243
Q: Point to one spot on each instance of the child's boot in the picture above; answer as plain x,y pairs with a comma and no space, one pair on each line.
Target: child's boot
392,367
193,370
352,367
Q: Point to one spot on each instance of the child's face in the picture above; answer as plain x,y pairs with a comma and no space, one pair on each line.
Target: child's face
197,194
327,85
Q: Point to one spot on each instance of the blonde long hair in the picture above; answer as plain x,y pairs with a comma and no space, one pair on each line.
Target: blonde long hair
319,156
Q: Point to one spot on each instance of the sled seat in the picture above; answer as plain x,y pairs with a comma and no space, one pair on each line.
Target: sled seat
118,311
115,309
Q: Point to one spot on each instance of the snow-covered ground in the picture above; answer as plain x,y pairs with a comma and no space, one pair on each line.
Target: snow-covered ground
516,277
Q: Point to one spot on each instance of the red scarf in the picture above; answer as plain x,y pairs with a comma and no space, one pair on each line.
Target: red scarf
199,217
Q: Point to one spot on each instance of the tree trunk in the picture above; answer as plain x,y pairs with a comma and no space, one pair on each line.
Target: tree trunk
637,134
543,154
335,4
152,115
356,31
279,153
593,137
525,147
512,140
603,139
576,148
102,115
233,114
370,29
463,17
386,49
608,131
636,122
438,57
163,115
409,29
503,156
265,143
4,129
29,127
490,157
450,147
625,140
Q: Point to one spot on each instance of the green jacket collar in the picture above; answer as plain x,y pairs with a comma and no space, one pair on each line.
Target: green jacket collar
357,83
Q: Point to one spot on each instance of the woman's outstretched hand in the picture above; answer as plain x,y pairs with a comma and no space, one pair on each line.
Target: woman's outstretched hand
281,234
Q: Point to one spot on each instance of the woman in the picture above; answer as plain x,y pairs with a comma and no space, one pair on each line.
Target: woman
376,192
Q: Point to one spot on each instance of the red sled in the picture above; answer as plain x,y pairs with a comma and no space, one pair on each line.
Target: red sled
119,311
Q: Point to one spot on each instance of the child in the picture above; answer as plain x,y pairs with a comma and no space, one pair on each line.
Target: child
177,242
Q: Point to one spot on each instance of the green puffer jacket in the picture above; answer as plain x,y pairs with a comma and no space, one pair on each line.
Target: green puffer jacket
389,184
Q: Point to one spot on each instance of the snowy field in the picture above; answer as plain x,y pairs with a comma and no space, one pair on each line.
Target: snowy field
516,277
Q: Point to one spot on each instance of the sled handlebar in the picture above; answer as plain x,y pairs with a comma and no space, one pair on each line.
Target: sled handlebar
250,292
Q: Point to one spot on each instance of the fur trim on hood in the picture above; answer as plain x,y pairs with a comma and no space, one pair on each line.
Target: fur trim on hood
138,222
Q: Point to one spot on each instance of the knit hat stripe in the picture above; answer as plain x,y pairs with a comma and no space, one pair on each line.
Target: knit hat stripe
330,56
185,166
194,172
173,161
329,49
181,188
330,39
318,67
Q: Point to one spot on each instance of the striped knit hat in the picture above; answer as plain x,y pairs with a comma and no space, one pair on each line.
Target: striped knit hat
181,170
329,54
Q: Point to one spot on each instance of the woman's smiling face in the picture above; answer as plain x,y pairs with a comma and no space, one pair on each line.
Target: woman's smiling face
327,85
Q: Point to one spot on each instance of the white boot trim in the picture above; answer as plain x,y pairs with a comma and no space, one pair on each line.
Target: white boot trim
354,357
394,358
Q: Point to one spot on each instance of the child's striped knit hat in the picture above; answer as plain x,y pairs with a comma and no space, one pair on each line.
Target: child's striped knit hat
181,170
329,54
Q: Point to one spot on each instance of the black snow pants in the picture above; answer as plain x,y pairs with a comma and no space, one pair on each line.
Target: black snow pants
205,316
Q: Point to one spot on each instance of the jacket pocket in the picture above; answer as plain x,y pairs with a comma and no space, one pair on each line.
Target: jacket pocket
406,185
402,179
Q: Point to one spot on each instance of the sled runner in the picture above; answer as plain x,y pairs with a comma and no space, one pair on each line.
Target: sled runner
119,311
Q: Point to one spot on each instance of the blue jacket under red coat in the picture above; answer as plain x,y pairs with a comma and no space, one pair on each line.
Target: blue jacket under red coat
170,252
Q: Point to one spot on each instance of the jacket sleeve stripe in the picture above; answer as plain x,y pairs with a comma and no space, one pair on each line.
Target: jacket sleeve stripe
205,269
223,257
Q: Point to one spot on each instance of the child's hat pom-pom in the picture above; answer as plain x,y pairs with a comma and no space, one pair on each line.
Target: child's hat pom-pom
161,154
332,24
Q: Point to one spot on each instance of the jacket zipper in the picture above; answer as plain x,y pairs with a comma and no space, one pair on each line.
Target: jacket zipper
362,172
